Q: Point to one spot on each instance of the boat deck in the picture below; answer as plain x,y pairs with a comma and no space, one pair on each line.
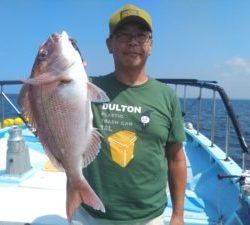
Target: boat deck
35,197
38,196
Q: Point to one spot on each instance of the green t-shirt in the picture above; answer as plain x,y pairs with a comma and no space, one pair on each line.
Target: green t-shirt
130,172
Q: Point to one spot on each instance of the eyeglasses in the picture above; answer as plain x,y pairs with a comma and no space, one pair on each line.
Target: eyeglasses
126,37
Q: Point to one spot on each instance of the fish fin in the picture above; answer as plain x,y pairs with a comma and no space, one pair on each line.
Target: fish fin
24,102
23,97
93,148
50,167
96,94
54,161
82,193
23,94
47,78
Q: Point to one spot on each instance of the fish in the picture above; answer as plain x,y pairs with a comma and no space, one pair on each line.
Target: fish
56,101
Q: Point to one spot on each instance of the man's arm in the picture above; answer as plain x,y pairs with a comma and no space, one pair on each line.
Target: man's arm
177,177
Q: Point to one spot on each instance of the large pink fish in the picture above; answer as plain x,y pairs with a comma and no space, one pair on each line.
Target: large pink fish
56,100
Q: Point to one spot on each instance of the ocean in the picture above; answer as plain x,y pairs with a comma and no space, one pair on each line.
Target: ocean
242,111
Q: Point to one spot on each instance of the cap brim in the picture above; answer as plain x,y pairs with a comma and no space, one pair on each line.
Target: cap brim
134,19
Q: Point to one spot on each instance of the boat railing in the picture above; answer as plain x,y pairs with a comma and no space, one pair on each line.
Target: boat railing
232,120
4,98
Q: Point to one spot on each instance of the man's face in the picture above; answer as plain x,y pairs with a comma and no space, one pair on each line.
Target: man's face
130,46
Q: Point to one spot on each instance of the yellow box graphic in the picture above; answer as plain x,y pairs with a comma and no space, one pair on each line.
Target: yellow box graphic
122,145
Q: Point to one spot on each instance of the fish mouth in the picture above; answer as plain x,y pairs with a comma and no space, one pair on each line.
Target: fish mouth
55,37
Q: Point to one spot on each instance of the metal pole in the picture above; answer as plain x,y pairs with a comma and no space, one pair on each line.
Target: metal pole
199,113
244,160
213,119
184,98
2,106
227,138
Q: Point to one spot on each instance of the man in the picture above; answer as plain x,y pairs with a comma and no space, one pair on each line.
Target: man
142,132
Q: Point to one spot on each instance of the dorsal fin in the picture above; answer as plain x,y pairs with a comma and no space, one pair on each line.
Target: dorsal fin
96,94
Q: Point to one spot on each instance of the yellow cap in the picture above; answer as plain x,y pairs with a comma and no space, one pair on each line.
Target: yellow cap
128,13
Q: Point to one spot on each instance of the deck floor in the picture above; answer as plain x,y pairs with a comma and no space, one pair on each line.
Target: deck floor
38,197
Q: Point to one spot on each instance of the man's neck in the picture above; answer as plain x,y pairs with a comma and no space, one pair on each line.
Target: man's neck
132,77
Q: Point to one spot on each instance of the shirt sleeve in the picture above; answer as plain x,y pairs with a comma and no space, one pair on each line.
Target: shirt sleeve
177,133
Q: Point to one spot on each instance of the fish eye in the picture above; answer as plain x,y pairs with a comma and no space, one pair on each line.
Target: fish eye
43,54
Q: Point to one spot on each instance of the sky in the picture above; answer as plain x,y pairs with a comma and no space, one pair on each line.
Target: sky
198,39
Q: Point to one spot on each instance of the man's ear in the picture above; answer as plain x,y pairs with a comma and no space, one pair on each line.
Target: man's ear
150,50
109,45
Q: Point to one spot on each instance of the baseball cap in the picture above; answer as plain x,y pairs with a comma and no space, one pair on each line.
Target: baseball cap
129,13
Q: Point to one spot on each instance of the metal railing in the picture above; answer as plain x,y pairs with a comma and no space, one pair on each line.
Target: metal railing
231,116
4,97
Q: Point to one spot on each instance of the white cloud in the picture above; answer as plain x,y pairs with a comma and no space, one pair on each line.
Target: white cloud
240,64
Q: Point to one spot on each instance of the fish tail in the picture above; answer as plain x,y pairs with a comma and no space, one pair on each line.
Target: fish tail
85,194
